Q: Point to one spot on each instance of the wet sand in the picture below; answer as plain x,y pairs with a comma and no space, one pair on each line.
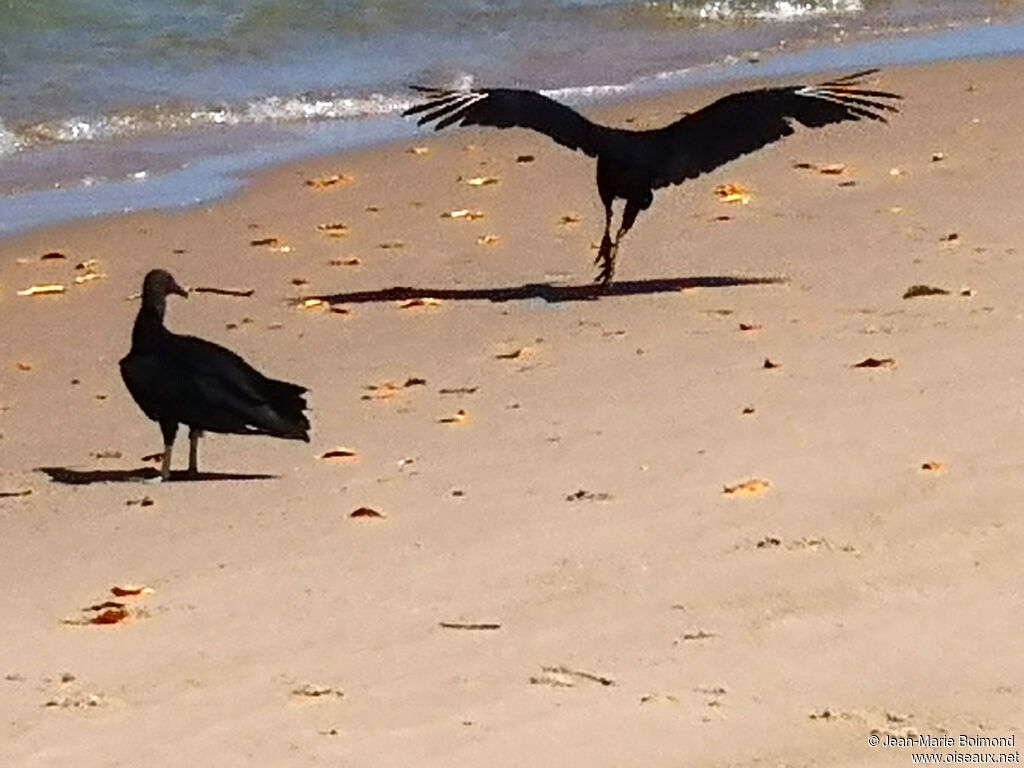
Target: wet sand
559,576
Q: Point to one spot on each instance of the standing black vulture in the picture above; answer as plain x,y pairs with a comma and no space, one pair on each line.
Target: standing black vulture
632,164
184,380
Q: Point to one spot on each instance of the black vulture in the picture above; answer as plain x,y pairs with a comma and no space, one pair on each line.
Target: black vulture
185,380
631,164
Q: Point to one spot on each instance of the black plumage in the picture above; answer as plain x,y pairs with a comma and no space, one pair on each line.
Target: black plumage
186,380
631,164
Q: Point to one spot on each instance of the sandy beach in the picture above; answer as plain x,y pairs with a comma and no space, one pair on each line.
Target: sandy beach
575,563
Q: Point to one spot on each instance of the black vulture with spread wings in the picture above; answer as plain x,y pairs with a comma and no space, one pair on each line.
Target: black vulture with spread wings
632,164
186,380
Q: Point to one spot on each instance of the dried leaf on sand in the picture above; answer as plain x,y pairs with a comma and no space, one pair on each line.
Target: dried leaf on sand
109,613
42,290
384,391
876,362
732,193
313,691
457,390
754,487
239,292
88,277
463,213
829,169
584,495
459,417
389,389
698,634
915,291
423,301
832,169
340,456
131,590
325,182
335,229
76,700
367,512
515,354
564,677
112,611
272,243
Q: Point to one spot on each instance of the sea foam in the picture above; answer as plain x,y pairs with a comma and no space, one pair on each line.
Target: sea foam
9,142
762,10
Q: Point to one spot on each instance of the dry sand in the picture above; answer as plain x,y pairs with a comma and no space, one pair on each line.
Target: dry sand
579,505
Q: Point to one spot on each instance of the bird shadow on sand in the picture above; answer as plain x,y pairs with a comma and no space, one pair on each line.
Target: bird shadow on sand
546,291
68,476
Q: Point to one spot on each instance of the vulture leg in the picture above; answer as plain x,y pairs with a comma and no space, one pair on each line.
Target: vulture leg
606,256
193,450
628,218
169,430
606,253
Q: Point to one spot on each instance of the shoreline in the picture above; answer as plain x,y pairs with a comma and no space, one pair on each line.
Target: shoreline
573,480
224,173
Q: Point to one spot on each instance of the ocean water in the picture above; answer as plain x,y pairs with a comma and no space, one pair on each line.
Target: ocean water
108,106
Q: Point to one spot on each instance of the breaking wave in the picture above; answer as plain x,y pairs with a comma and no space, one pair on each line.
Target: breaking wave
760,10
163,119
154,121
